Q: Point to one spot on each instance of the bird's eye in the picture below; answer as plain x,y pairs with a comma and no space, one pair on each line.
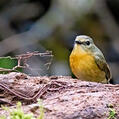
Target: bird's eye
87,43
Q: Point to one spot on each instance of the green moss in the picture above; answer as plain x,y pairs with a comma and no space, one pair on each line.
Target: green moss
17,113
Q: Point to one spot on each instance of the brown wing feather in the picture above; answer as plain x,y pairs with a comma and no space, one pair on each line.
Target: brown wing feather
101,63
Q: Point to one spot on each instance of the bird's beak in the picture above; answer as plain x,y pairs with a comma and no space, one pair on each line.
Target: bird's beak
78,42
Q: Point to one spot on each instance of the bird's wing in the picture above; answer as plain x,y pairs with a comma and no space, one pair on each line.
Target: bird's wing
101,63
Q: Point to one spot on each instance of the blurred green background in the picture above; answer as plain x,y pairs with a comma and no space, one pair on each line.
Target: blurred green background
40,25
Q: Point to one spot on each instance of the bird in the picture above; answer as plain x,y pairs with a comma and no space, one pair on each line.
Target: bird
87,62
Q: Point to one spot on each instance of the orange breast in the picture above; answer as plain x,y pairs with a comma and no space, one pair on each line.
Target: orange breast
84,67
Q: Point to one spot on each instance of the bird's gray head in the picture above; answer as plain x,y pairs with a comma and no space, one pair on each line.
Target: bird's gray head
85,42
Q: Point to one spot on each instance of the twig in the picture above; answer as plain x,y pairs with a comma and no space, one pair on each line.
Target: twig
40,92
23,58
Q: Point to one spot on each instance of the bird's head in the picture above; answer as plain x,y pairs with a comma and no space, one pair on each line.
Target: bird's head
85,43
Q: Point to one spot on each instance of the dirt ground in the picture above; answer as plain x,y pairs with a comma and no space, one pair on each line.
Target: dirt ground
63,97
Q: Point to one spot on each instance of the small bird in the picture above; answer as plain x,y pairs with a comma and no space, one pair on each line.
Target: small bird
87,61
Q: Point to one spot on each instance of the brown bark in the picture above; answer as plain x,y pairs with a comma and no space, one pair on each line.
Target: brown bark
63,97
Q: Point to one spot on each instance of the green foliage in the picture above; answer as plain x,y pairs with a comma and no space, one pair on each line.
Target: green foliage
17,113
112,114
2,117
41,110
8,62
